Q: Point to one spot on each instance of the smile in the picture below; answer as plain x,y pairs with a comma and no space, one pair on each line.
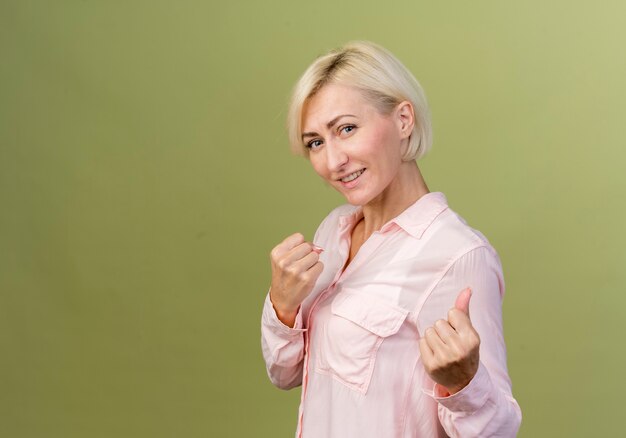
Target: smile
352,176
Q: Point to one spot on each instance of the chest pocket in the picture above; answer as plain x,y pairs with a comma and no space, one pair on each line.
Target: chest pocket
357,326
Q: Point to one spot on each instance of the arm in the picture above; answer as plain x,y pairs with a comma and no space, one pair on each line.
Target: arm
283,348
295,269
485,407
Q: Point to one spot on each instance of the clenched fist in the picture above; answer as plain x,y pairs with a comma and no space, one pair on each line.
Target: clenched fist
295,268
449,349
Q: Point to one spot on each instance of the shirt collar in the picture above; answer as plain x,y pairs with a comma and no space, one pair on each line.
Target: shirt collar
414,220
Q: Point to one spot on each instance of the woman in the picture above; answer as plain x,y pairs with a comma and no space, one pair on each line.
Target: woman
372,318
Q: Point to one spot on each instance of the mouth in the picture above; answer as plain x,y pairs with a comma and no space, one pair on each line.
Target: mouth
352,176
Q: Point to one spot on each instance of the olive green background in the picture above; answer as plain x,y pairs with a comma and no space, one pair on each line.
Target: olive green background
145,176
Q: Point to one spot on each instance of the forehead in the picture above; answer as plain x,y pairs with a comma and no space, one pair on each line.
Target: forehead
332,100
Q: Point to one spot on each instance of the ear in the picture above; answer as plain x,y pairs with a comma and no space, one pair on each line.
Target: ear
405,118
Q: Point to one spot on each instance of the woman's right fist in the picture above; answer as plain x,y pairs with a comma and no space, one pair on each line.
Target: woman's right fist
295,268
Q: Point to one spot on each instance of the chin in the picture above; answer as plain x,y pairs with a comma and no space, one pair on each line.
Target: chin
359,196
357,199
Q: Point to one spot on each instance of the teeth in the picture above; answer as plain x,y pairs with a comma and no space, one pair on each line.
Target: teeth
353,176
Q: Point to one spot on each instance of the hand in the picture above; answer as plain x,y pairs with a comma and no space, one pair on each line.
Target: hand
449,349
295,269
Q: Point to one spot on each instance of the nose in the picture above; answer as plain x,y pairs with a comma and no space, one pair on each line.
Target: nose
336,157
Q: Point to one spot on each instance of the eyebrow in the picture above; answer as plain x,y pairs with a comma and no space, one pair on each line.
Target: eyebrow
328,125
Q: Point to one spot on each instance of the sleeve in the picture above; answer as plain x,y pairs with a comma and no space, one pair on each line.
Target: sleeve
283,347
485,407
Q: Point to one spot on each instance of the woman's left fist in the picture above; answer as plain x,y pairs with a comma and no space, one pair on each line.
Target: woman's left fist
449,349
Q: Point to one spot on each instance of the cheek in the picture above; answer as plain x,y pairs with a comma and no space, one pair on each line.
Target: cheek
386,137
392,142
384,148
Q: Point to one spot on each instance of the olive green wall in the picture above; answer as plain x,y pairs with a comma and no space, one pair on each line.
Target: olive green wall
145,175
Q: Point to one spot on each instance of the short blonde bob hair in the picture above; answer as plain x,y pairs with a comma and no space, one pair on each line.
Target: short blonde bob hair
379,75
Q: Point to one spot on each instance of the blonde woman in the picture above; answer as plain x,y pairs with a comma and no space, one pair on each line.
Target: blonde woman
390,319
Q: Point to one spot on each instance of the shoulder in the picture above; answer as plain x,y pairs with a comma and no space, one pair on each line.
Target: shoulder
332,220
343,210
453,235
337,213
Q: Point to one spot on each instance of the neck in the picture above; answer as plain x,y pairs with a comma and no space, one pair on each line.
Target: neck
406,188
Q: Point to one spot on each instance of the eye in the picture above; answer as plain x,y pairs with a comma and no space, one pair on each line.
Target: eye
347,129
313,144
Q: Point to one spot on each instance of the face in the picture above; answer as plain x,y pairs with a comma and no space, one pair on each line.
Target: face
351,145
